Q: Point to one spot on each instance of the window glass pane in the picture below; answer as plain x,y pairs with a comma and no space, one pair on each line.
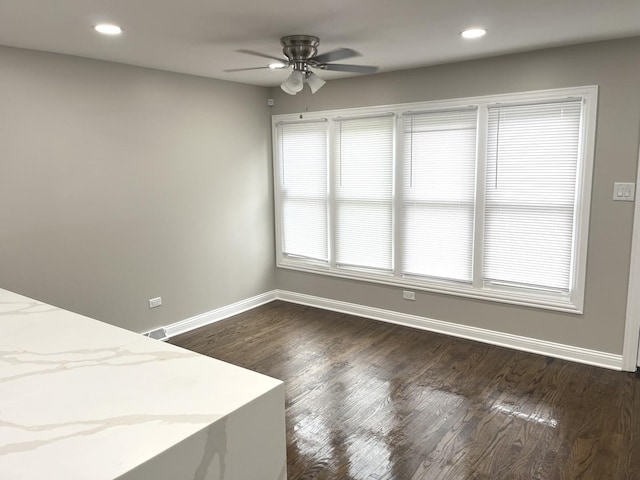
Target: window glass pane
305,228
532,162
364,231
303,189
363,176
438,194
529,246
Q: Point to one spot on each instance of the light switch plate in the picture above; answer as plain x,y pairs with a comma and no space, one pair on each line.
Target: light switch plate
624,192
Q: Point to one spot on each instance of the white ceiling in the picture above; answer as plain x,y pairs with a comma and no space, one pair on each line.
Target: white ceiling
201,37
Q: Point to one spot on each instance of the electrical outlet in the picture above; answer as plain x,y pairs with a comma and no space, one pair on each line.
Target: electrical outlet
155,302
408,295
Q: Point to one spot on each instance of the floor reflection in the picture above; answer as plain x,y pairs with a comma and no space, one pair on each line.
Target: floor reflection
370,419
371,401
528,417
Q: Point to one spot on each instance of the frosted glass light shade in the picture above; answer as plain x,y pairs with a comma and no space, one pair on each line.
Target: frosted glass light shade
315,82
294,83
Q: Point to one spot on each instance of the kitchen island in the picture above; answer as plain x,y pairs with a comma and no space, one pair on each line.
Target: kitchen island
85,400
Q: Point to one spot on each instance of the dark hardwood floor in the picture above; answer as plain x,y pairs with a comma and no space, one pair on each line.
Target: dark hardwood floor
369,400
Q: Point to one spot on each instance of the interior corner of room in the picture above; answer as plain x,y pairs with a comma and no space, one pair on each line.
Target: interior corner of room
425,265
124,184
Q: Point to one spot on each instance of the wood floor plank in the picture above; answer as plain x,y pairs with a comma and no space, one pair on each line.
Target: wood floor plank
367,400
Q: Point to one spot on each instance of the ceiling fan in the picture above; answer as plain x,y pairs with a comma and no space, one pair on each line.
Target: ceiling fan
301,53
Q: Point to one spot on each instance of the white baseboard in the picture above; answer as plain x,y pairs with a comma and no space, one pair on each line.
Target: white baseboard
542,347
219,314
516,342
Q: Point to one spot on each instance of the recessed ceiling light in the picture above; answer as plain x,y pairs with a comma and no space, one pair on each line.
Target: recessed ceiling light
474,33
108,29
277,65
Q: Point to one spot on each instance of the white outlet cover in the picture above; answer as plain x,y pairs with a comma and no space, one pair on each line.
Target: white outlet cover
155,302
408,295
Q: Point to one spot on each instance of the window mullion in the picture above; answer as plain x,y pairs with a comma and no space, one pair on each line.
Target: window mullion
398,196
331,192
479,211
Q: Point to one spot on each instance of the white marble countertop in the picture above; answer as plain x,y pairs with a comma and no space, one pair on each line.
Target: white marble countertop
81,399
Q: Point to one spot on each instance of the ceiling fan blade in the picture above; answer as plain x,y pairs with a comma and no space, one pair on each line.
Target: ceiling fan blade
338,54
243,69
263,55
340,67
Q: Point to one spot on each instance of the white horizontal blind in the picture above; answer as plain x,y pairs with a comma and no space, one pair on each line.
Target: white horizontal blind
363,179
303,189
532,164
439,158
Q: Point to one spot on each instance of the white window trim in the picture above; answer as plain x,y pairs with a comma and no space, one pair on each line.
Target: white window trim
573,303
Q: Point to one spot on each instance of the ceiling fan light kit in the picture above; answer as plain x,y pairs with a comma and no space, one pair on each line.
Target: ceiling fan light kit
301,53
294,83
314,81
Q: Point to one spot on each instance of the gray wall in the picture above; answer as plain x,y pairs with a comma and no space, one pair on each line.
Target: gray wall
615,67
118,184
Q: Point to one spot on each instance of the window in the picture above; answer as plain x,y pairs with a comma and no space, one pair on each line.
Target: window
532,160
439,194
481,197
363,183
303,189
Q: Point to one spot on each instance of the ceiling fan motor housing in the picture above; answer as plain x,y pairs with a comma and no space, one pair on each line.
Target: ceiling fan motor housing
299,49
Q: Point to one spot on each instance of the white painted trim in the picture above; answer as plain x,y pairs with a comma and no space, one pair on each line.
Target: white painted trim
512,297
572,302
632,324
582,212
450,103
542,347
219,314
516,342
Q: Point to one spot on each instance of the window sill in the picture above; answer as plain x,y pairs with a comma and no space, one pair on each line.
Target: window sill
558,303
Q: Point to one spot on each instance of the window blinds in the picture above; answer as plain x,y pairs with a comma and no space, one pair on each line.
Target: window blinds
438,194
363,179
532,161
485,197
303,189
